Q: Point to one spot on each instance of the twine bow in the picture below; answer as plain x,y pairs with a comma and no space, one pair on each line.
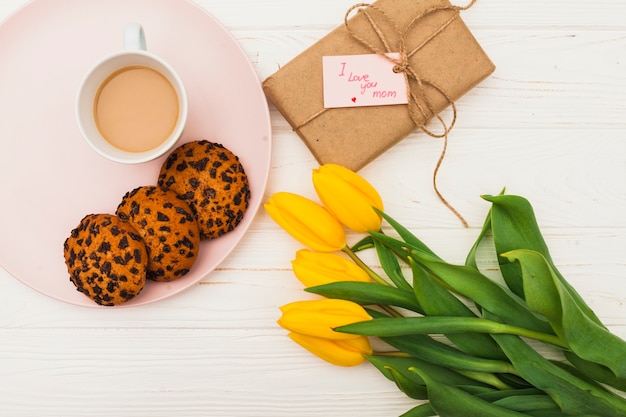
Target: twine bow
419,106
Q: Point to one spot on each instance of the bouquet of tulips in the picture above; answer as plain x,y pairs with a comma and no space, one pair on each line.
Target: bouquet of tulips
487,363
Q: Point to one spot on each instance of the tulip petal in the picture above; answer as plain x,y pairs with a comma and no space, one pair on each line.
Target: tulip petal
329,305
352,209
348,196
357,344
339,353
319,317
357,181
318,268
306,221
317,324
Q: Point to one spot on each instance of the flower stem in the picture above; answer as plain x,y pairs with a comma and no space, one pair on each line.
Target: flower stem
377,278
390,310
393,354
501,328
486,378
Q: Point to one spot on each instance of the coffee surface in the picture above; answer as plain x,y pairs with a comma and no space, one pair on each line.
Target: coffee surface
136,109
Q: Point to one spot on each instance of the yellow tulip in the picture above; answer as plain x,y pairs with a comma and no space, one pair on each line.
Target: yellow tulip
306,221
347,352
318,268
349,197
318,318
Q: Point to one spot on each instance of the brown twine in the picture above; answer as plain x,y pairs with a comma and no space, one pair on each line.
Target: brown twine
419,107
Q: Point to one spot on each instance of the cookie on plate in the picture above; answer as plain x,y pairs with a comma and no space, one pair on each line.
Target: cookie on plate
106,259
212,180
168,228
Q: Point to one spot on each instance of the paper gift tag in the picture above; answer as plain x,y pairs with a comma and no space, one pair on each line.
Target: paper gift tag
362,80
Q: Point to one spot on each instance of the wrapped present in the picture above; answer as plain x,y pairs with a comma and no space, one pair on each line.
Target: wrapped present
425,41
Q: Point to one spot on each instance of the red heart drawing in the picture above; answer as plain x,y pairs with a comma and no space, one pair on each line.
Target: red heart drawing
353,99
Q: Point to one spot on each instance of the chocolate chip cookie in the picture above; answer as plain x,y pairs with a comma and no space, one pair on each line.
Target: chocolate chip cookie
106,259
168,228
212,180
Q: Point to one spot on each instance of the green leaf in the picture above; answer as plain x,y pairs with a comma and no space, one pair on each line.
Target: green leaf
396,369
487,378
546,294
409,238
450,401
363,244
470,283
554,413
470,260
391,266
597,372
568,367
500,394
438,353
475,389
406,385
527,403
438,301
422,410
538,284
404,326
572,394
515,381
440,373
368,293
398,246
514,226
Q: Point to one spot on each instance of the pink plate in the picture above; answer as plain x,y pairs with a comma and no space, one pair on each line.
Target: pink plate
50,178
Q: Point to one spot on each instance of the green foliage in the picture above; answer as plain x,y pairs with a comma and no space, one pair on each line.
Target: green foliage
464,348
366,293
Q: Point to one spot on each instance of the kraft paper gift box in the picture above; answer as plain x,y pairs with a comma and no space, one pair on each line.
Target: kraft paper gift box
443,62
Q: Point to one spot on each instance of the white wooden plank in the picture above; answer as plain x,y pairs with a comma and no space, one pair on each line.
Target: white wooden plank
570,177
493,13
548,124
178,372
530,14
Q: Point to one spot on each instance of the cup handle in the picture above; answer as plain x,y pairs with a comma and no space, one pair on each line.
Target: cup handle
134,37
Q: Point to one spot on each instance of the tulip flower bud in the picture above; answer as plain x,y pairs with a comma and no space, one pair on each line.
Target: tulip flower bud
306,221
317,268
319,317
349,197
347,352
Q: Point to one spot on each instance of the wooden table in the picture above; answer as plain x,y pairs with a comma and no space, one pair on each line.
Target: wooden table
549,124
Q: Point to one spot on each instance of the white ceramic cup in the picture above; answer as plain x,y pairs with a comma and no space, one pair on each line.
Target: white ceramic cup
134,54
